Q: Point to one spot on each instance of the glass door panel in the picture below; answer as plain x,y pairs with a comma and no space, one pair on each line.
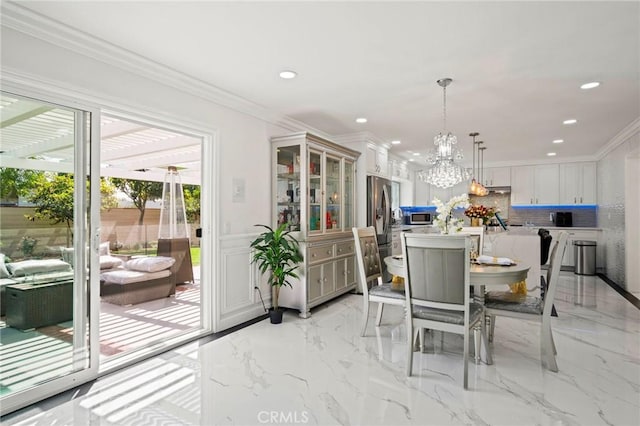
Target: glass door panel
334,196
315,192
288,186
349,210
45,321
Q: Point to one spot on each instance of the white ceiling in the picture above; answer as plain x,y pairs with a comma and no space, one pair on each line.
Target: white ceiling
517,66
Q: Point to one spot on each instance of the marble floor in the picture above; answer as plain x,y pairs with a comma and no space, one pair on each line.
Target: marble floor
320,371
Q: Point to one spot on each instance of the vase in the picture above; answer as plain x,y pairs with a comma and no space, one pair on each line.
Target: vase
476,221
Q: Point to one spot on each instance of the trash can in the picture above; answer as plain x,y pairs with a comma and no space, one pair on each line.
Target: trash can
584,255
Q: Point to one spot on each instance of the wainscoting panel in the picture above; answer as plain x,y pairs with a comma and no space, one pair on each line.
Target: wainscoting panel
237,299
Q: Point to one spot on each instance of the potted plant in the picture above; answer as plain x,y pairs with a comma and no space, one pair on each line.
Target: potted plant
278,253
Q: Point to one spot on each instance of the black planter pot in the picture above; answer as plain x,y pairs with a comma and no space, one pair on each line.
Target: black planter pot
275,315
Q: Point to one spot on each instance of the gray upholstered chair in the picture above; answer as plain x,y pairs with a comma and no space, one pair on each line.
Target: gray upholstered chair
527,307
370,269
437,292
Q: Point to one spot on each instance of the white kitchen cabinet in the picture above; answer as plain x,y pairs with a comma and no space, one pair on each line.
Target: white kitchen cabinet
399,169
578,183
497,176
535,184
377,160
422,194
522,186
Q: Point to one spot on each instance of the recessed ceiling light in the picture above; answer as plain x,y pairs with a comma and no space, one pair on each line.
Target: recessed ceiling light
288,75
570,121
395,142
410,159
558,141
591,85
416,153
361,120
551,154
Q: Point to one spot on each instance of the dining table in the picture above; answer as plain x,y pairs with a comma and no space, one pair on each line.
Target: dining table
480,275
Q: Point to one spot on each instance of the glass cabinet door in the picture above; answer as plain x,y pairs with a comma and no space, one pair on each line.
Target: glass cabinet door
349,209
288,186
315,192
333,197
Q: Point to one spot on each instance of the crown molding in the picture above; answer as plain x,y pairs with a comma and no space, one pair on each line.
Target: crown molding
620,138
360,137
41,27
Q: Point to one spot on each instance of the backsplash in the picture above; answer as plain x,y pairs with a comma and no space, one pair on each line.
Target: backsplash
583,216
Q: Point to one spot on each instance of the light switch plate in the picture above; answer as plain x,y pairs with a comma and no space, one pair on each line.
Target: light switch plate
237,190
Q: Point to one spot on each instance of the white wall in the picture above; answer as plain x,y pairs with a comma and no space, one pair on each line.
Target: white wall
242,148
612,205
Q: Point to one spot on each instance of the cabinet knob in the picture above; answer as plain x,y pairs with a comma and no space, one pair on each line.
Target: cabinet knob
328,251
313,255
339,250
580,200
324,280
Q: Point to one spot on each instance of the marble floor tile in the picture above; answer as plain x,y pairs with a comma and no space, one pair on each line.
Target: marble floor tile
320,371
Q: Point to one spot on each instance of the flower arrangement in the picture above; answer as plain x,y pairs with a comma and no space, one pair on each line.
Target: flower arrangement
478,211
445,220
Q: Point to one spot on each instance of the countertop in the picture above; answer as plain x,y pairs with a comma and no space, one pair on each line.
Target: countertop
560,228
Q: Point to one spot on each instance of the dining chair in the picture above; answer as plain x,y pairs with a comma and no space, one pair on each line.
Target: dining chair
505,303
478,233
437,295
370,269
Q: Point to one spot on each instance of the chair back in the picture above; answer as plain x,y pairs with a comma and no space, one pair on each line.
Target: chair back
436,270
553,272
477,235
368,256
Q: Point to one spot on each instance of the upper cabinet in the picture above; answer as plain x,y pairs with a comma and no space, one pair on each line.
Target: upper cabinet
399,169
377,161
313,185
535,184
578,183
497,176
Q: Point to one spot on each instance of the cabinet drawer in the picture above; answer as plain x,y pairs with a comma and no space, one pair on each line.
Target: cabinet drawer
320,253
345,248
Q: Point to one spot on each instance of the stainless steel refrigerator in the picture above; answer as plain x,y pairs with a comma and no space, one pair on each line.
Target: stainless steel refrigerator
379,216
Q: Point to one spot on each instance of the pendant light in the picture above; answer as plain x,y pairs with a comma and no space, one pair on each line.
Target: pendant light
482,190
444,172
476,187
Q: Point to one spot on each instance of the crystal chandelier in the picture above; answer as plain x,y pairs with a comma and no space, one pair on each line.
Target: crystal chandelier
444,172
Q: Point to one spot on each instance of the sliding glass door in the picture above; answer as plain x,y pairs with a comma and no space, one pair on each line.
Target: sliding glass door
49,229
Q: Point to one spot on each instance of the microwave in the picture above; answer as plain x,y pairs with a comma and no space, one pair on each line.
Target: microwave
420,218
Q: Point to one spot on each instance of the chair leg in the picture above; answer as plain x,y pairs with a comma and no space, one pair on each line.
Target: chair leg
379,315
547,355
465,355
423,345
488,357
492,328
411,337
365,316
553,342
476,344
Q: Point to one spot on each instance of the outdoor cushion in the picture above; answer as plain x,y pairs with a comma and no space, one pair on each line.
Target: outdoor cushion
103,249
126,276
150,264
4,273
37,266
110,262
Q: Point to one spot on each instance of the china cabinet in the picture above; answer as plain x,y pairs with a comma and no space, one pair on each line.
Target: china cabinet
314,194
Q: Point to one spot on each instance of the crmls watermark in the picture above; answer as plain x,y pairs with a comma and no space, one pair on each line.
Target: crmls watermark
286,417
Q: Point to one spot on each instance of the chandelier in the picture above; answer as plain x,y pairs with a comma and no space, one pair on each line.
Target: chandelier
476,187
444,171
